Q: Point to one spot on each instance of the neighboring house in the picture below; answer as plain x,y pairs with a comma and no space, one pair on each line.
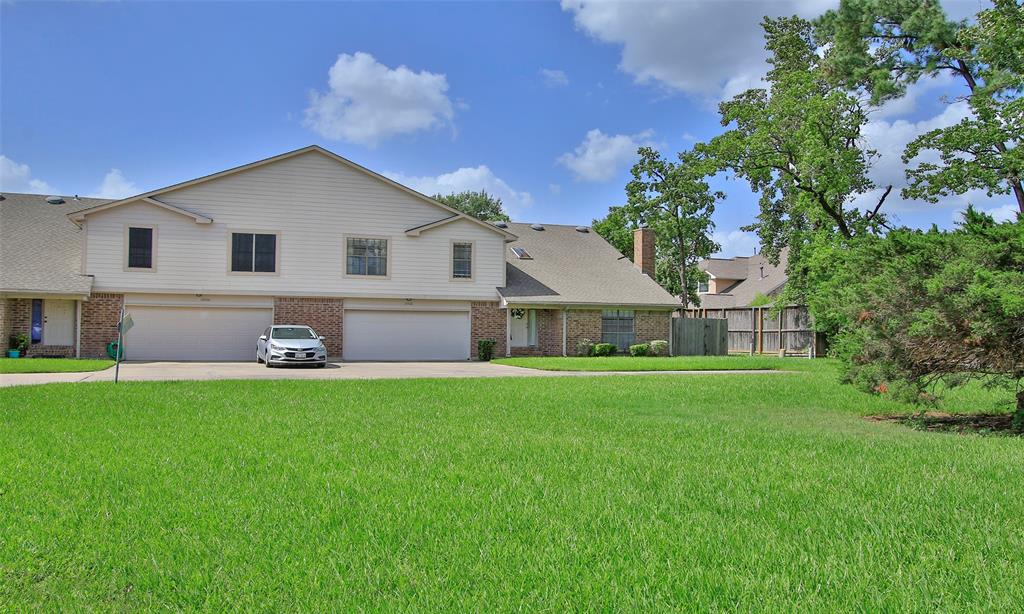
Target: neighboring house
383,272
736,282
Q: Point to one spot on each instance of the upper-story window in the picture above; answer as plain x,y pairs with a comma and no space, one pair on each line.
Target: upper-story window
140,247
462,260
366,256
702,287
253,252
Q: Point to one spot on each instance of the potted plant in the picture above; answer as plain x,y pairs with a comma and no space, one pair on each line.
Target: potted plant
18,346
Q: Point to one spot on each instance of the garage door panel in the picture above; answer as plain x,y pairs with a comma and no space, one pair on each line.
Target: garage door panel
194,333
406,335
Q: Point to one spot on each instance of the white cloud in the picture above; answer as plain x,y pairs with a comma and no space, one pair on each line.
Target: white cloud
468,178
115,186
600,156
367,102
554,78
554,188
1003,213
736,243
700,48
16,177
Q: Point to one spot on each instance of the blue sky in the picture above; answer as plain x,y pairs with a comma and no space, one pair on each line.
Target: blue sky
540,103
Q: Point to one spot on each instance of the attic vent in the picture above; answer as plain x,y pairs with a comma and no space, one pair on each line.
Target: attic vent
521,253
536,227
582,229
55,200
500,224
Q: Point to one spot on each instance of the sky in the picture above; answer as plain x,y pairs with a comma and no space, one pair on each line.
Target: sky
540,103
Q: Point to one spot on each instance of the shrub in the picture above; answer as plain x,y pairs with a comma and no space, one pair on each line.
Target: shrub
485,349
584,347
19,342
659,347
604,349
640,349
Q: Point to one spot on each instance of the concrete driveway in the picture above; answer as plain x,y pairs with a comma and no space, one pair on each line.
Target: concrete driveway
167,371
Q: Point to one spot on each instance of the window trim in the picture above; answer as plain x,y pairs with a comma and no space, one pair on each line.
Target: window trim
632,319
451,260
153,250
344,256
231,232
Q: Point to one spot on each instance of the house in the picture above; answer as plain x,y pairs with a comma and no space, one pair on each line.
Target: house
737,282
381,271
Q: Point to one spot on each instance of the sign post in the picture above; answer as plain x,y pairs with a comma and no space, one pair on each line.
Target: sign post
124,324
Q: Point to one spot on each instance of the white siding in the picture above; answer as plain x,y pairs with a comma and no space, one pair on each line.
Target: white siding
313,202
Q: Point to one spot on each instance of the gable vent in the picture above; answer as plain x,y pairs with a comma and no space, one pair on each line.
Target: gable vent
537,226
521,253
582,229
501,224
55,200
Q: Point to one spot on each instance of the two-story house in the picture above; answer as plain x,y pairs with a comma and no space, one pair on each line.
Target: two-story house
308,237
740,281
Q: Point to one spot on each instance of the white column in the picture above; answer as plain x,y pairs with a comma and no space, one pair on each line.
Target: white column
508,330
78,328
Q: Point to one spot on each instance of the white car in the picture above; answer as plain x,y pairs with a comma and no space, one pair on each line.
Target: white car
290,344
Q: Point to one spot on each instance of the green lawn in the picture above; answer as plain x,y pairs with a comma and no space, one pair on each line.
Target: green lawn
673,363
53,365
724,492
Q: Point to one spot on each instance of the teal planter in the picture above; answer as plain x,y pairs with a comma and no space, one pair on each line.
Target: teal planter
13,354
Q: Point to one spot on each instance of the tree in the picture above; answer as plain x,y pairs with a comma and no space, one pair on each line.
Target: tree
882,46
480,205
616,230
798,144
674,200
914,307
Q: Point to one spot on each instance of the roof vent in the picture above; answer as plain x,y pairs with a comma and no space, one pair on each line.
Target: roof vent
55,200
536,226
582,229
501,224
521,253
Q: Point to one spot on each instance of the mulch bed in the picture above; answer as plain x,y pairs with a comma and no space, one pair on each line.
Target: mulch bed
994,424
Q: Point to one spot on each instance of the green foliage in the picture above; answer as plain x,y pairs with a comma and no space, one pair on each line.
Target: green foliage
640,349
659,347
584,347
604,349
914,307
19,342
480,205
485,349
760,300
617,230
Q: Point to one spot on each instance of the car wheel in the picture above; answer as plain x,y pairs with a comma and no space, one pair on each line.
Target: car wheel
321,365
258,359
267,362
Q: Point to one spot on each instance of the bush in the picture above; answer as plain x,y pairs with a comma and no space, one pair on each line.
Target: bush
584,347
19,342
659,347
640,349
604,349
485,349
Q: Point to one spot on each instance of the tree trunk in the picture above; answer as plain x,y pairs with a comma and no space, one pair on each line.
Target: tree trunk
1018,416
684,294
1018,191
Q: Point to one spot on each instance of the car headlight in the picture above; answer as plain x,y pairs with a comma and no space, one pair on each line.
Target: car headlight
275,346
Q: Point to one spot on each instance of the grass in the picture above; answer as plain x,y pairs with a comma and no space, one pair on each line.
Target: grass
53,365
673,363
725,492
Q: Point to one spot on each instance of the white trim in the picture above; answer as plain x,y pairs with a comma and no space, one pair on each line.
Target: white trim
78,329
284,293
79,216
231,232
508,333
388,256
451,261
127,246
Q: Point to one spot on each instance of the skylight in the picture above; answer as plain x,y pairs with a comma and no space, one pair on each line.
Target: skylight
521,253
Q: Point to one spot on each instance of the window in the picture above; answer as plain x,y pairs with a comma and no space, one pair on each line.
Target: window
37,320
702,287
462,260
617,328
293,332
366,257
521,253
253,253
140,248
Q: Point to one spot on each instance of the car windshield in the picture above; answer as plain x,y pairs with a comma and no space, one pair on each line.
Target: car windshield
293,332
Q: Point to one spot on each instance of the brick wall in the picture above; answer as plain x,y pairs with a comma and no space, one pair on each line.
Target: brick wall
651,325
583,324
16,319
324,315
486,321
6,306
99,323
549,335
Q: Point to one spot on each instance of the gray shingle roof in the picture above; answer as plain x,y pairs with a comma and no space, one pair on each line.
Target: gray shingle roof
747,269
575,268
40,249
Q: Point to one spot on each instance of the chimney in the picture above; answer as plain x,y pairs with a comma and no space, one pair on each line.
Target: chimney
643,250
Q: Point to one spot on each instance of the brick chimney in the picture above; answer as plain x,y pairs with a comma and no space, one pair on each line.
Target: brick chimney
643,250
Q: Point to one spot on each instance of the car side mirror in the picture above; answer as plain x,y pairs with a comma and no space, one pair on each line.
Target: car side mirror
321,338
263,337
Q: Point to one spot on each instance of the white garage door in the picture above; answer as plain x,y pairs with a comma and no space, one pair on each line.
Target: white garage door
195,333
406,335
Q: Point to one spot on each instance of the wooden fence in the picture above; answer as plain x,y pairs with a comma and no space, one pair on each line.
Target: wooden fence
699,337
757,330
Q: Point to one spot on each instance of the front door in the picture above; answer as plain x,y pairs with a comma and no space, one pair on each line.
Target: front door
58,322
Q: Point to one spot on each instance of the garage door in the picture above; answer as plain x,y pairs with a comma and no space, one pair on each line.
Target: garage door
406,335
195,333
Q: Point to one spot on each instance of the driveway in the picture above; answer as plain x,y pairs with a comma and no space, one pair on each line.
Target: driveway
167,371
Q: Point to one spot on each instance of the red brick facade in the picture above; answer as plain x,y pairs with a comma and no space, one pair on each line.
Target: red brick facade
6,305
324,315
583,324
99,323
16,319
643,250
549,335
651,325
486,321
